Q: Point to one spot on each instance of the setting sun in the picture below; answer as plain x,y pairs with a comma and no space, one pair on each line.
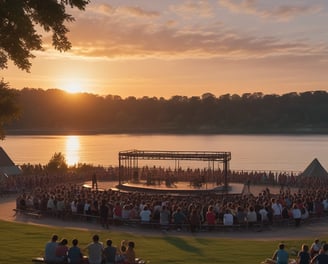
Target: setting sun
73,87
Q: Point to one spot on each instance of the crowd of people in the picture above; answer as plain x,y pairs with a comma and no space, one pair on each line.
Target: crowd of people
317,253
59,252
112,206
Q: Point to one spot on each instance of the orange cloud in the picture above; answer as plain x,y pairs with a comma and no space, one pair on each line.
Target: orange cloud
280,12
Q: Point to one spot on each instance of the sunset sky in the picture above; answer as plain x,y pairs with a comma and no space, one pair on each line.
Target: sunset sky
166,48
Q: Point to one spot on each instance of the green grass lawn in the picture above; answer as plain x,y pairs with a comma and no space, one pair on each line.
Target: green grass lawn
21,242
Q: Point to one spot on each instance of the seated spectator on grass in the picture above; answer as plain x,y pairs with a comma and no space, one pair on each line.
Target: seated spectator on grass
95,250
50,250
303,257
74,254
109,253
322,257
61,251
281,255
315,247
130,254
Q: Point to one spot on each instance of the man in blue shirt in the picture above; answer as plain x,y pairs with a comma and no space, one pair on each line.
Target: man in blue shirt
50,250
281,255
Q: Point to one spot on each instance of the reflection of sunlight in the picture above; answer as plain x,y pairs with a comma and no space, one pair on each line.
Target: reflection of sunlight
72,150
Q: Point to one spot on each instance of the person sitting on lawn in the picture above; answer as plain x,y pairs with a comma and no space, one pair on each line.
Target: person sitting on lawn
281,255
303,256
74,253
95,250
50,250
61,251
130,254
109,253
322,257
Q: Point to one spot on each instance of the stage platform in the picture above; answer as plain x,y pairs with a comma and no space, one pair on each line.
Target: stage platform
180,188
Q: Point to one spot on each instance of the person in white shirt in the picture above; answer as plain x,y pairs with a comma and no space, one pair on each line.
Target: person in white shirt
227,218
297,215
251,216
264,215
145,215
95,250
277,209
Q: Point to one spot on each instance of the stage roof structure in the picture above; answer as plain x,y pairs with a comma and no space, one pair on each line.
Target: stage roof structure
129,159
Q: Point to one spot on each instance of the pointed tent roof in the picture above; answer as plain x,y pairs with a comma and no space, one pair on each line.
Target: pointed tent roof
7,166
315,169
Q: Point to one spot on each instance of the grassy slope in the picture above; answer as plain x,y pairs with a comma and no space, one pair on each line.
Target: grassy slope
21,242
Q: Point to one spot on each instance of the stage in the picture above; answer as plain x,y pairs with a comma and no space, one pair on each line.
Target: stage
181,188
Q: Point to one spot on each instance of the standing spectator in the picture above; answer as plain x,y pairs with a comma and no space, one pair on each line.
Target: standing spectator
303,256
145,215
194,220
104,214
241,216
95,250
227,218
179,218
94,181
50,250
251,216
117,213
297,214
164,217
210,217
109,253
74,253
277,210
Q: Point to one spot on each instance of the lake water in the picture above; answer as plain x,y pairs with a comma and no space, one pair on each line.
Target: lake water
249,152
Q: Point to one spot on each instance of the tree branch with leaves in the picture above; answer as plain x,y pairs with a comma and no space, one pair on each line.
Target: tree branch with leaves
19,21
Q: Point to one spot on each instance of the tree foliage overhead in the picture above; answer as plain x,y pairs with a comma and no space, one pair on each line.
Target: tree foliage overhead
55,111
18,27
19,21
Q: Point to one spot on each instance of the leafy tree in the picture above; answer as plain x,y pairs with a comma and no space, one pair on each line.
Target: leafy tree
9,109
19,37
57,163
18,21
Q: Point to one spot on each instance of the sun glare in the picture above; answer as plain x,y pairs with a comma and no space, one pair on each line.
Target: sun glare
72,150
73,87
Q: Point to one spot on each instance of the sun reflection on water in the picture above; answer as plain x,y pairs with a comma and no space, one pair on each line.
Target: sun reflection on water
72,150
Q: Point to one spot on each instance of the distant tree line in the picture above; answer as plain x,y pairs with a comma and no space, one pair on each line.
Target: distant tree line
55,111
